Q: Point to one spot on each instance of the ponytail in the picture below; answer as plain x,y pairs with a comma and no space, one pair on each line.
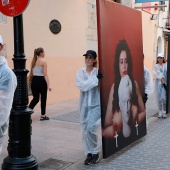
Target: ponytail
37,52
95,64
34,59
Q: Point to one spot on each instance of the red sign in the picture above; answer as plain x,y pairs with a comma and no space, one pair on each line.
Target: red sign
13,8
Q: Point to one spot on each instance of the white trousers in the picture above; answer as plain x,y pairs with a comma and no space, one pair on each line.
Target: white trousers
90,128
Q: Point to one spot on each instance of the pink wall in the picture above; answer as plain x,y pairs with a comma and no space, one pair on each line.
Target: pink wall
62,72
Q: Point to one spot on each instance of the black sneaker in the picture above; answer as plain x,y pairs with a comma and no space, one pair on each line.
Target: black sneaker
95,158
88,159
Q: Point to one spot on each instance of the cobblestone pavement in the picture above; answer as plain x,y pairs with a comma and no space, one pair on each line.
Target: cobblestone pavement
56,143
151,106
149,153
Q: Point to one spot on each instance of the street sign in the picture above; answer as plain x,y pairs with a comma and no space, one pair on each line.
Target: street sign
13,8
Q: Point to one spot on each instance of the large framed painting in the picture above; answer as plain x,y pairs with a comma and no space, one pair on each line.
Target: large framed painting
122,88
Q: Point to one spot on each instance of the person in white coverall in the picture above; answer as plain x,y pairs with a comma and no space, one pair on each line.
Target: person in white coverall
8,83
125,108
160,72
148,79
87,80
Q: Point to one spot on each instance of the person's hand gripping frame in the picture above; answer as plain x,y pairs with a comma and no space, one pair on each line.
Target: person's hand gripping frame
99,75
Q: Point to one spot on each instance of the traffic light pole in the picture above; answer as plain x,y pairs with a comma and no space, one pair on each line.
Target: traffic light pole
19,145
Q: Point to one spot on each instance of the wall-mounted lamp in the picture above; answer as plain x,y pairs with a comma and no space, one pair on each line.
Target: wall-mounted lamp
153,16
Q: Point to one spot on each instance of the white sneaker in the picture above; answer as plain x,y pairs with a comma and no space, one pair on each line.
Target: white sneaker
164,115
160,115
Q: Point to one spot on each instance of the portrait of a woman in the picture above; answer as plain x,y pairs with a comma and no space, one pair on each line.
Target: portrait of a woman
125,108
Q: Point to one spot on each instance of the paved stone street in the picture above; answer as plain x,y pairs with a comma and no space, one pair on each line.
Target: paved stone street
56,143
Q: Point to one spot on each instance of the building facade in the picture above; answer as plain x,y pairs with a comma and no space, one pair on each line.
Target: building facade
78,33
64,51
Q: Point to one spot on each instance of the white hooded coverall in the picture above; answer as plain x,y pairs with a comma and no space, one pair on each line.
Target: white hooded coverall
148,81
89,107
8,83
160,72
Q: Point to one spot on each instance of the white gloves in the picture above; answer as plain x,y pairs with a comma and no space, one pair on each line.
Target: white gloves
124,93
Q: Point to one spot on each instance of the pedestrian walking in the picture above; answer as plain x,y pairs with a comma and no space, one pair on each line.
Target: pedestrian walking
87,80
39,81
8,83
160,72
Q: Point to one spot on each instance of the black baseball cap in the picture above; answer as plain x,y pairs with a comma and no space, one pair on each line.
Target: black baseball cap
91,53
